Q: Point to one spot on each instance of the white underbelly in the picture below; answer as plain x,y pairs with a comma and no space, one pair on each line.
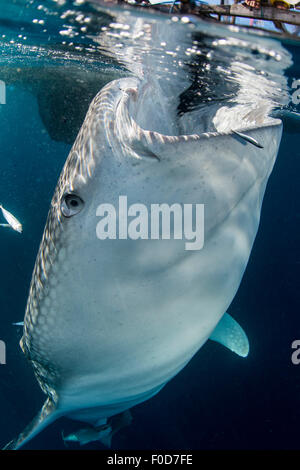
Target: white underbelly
133,325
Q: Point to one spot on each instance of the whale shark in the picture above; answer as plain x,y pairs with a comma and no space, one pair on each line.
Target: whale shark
110,322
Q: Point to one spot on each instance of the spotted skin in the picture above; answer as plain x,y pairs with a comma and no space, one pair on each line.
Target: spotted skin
49,269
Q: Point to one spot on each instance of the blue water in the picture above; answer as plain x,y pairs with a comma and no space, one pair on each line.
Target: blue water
219,401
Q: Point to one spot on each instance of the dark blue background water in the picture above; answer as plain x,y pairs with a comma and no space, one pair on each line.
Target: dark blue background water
219,401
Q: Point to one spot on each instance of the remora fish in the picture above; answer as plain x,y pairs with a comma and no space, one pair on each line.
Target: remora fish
109,323
11,219
102,432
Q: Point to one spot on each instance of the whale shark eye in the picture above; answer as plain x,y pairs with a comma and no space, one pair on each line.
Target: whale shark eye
71,204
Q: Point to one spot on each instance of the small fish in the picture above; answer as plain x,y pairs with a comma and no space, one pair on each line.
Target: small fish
90,434
12,221
248,139
103,432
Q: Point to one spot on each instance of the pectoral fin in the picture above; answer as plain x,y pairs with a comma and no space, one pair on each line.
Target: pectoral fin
229,333
46,416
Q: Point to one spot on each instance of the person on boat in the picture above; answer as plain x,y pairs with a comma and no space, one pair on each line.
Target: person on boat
281,4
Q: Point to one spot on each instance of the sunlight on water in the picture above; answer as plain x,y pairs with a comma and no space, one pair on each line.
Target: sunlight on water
212,62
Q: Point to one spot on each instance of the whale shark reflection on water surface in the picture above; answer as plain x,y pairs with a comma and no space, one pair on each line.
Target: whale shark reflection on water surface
109,322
